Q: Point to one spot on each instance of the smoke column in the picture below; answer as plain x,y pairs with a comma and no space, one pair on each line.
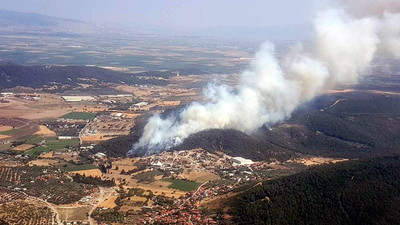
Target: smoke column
269,90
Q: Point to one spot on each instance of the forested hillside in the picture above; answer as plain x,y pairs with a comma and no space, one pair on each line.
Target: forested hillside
235,143
356,192
350,126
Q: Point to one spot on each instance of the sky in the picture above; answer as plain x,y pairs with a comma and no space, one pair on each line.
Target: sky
182,13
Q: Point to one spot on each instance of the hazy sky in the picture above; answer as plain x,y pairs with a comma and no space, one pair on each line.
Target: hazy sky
184,13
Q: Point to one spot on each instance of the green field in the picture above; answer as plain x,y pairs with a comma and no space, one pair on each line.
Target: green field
52,144
81,167
182,185
79,115
32,140
8,132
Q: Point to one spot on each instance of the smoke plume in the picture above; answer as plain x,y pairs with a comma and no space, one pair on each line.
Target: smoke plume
270,89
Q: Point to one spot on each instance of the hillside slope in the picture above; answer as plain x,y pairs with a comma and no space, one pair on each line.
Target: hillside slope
355,192
361,125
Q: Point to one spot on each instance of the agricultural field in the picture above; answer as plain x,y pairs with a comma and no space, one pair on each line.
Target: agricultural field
79,116
73,213
80,167
9,132
47,183
52,144
7,195
148,176
20,212
182,185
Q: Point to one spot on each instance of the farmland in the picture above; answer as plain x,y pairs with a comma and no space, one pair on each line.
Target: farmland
52,144
19,212
81,167
79,115
45,182
182,185
8,132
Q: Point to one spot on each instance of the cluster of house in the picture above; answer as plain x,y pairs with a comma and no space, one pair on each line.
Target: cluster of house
176,216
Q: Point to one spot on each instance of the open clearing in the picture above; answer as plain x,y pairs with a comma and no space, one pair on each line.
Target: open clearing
137,199
108,203
73,213
92,172
44,131
319,160
199,176
5,128
3,136
23,147
43,162
96,138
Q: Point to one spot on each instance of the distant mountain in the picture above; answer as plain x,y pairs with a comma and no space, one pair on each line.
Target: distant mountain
281,32
350,193
11,18
12,75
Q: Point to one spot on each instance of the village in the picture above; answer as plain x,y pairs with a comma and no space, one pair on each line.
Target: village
58,135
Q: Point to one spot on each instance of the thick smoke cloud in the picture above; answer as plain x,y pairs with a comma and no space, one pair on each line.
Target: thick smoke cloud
270,89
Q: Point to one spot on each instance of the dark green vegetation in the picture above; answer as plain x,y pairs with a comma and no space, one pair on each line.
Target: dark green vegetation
354,192
148,176
79,115
116,147
182,185
52,144
107,215
93,180
360,125
235,143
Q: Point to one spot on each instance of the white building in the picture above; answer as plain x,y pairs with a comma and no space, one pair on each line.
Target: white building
77,98
242,161
6,94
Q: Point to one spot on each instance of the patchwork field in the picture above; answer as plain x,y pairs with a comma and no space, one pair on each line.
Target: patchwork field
52,144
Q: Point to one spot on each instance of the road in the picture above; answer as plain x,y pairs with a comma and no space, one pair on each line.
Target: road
103,196
58,221
194,193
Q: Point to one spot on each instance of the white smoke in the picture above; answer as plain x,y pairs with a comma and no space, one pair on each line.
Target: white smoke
269,90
